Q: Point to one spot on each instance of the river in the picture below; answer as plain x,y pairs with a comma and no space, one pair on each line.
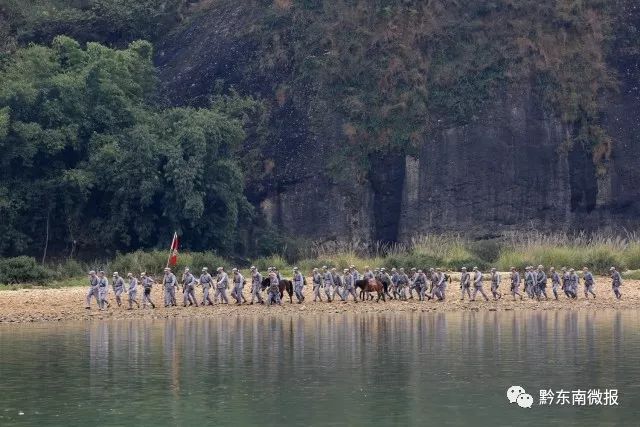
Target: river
331,370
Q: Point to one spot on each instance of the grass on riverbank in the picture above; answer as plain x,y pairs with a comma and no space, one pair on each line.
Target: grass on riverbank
449,252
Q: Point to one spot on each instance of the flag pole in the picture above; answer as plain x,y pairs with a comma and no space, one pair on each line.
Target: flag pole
175,236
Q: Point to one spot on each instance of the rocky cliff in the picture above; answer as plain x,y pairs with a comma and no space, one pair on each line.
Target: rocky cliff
469,141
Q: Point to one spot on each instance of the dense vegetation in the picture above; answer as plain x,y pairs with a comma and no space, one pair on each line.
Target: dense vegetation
90,162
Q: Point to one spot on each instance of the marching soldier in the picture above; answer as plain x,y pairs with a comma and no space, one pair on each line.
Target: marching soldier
93,290
118,287
274,289
206,281
298,284
147,285
573,282
495,284
317,285
477,285
529,282
420,283
133,290
222,283
555,282
103,290
238,284
349,286
327,281
403,282
170,283
616,282
256,285
337,282
515,283
465,283
588,282
541,283
188,288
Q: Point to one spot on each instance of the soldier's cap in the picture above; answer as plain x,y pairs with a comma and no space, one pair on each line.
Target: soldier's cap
366,267
552,268
92,272
493,269
475,268
512,268
253,267
540,266
129,275
413,269
564,269
584,268
324,267
115,273
393,269
432,269
419,271
315,269
571,269
383,269
102,271
346,270
464,268
269,268
438,269
235,270
612,269
352,266
144,273
219,269
186,269
333,269
205,269
295,268
401,269
167,269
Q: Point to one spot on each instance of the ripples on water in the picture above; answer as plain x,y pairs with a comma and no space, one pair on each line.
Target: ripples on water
343,369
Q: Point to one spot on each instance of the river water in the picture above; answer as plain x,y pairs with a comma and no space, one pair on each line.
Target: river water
338,369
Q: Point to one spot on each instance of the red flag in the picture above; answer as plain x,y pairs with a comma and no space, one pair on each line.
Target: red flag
173,252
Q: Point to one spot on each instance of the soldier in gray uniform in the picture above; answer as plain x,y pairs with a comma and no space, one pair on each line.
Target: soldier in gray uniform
515,283
147,285
169,283
616,282
440,285
477,285
317,285
189,288
298,284
222,283
103,290
238,282
403,283
256,285
93,290
354,273
465,283
349,286
394,283
434,278
118,287
573,282
327,281
420,283
555,282
337,283
412,281
206,281
133,291
495,284
386,280
541,283
564,277
588,282
274,289
529,282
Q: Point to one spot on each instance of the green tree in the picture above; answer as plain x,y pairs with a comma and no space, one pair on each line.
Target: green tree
86,157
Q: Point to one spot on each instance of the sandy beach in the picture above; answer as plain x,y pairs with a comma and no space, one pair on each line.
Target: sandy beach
61,304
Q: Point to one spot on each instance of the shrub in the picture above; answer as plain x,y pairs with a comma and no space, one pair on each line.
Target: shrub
23,269
631,256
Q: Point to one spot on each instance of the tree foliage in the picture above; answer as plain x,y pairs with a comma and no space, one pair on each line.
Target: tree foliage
86,157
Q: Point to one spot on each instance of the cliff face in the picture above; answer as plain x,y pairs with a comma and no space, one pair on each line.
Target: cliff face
513,164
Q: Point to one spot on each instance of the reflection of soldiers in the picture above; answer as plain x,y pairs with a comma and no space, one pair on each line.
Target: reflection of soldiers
133,291
588,283
477,285
616,282
465,283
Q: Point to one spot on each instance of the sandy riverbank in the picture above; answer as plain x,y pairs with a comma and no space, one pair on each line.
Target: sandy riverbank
42,304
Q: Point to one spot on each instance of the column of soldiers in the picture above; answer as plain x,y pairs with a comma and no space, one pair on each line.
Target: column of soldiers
399,285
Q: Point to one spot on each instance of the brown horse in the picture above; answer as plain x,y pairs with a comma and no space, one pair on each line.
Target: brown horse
370,286
284,285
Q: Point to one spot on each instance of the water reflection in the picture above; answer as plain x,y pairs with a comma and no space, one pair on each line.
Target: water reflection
344,369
